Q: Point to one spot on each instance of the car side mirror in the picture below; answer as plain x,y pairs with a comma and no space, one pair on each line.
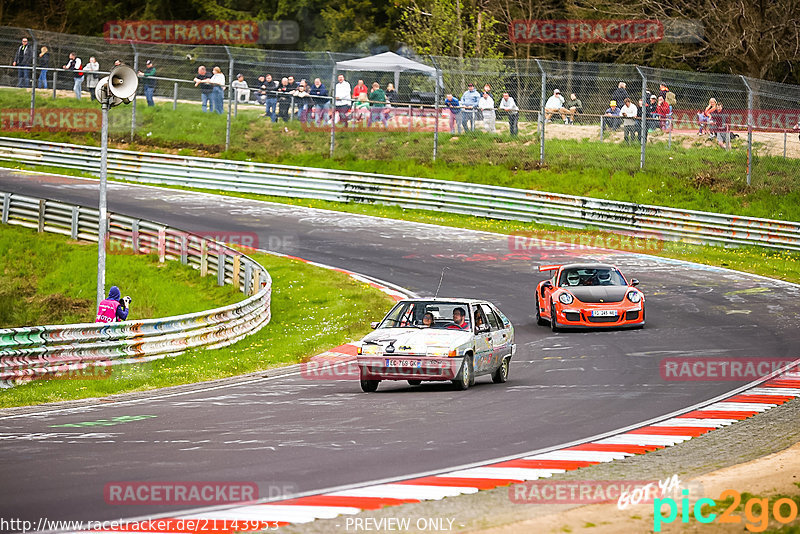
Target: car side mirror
374,324
634,282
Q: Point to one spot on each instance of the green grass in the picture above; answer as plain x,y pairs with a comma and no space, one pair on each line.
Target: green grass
700,177
312,310
49,279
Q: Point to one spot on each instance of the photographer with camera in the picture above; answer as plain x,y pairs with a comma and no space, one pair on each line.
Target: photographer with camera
113,308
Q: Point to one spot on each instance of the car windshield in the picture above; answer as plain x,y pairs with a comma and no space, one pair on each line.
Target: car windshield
412,314
587,276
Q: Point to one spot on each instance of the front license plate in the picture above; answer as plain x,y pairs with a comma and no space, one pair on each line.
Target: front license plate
394,362
604,313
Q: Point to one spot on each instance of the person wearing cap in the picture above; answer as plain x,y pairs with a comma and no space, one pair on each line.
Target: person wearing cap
613,112
113,309
241,88
629,111
508,106
149,82
486,105
651,114
555,104
469,101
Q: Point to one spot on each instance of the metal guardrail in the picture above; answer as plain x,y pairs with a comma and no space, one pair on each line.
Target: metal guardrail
420,193
37,351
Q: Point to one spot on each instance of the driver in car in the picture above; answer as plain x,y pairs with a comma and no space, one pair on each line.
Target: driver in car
459,320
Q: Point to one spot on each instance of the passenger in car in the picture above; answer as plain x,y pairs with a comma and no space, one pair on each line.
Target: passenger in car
427,319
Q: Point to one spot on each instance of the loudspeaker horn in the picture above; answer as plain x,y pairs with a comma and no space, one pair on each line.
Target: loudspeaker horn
123,82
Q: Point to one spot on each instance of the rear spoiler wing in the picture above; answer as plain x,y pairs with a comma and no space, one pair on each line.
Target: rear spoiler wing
543,268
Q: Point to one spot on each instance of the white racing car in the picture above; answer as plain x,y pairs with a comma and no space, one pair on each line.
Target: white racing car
437,339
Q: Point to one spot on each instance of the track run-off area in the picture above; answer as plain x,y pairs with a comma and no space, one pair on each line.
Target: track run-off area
292,434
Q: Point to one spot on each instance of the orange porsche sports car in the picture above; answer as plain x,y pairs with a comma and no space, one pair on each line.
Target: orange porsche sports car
591,295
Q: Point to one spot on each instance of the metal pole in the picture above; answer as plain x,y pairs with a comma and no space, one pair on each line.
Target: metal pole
436,102
784,144
541,112
175,97
133,106
332,95
55,81
230,99
103,220
643,128
749,129
33,76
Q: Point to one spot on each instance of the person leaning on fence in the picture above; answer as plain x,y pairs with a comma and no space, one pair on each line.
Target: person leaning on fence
89,70
652,113
319,97
573,105
42,63
23,58
74,64
218,93
203,80
360,89
509,107
486,105
664,112
377,98
149,84
113,309
720,125
453,107
342,99
302,98
284,99
241,89
271,109
391,98
469,101
629,123
555,104
611,117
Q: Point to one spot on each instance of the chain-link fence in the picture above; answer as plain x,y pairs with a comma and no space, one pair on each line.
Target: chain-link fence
559,115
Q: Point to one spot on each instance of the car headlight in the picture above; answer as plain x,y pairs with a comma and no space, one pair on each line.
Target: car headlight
565,298
634,296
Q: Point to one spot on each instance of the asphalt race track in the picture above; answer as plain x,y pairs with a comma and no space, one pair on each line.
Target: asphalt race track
297,434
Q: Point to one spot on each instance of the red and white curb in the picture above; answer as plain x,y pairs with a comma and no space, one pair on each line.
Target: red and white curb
738,405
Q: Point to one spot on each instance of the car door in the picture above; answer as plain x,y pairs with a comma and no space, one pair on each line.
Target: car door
501,336
483,341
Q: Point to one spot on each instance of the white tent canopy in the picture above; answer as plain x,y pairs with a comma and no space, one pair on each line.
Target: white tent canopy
385,62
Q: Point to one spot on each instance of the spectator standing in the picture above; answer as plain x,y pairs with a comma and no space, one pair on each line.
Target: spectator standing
508,106
23,58
149,74
720,125
652,113
620,93
453,106
630,112
377,99
391,98
271,109
113,309
218,92
469,101
486,105
303,100
610,118
574,105
43,63
342,99
242,91
664,112
663,90
91,79
203,80
74,64
319,96
284,99
360,89
555,104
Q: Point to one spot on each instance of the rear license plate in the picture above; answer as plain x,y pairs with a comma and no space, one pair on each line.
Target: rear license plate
394,362
604,313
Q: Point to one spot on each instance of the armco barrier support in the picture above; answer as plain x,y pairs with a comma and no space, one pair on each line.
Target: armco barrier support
420,193
38,351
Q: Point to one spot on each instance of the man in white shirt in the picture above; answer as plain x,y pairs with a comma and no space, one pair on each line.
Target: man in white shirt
629,111
555,104
486,105
242,91
508,105
75,64
342,93
91,79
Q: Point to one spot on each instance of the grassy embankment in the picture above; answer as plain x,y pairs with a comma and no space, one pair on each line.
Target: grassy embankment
48,279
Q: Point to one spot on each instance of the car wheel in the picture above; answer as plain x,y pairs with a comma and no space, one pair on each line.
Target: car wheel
501,373
369,386
464,379
539,320
553,323
414,382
